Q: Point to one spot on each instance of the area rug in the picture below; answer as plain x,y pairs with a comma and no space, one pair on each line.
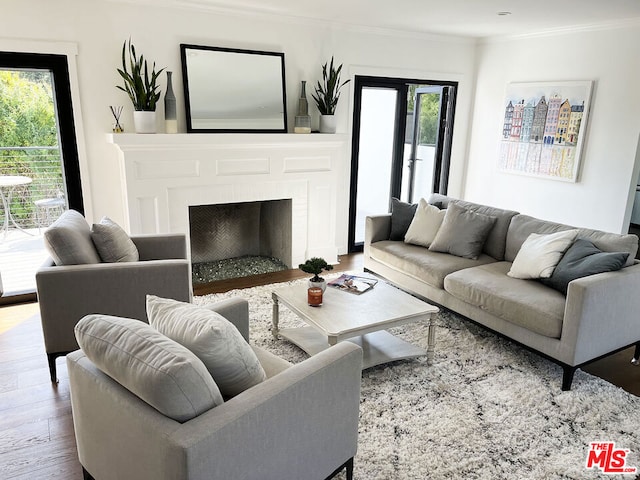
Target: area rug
486,408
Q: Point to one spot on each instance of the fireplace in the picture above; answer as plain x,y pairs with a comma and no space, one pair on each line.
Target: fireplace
232,240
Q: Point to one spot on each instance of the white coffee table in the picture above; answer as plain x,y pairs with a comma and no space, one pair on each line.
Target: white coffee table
362,319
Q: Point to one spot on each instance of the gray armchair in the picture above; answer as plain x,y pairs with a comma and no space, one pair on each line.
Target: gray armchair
300,423
68,293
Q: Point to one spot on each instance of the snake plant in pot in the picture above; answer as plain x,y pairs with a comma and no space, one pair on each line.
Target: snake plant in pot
327,95
141,84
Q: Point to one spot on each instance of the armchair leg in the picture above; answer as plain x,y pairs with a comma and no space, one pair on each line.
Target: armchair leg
51,357
86,475
636,356
567,377
349,467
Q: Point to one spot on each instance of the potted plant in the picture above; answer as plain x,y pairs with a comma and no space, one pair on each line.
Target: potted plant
315,266
141,84
327,95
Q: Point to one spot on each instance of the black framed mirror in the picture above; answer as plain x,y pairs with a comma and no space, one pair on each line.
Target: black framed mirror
229,90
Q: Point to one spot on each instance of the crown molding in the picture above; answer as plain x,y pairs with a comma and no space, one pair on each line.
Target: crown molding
571,30
281,17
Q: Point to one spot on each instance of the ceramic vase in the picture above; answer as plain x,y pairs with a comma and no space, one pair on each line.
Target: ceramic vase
321,284
170,116
144,122
327,124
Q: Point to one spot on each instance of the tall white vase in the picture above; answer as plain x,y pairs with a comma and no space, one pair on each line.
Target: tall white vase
144,122
327,124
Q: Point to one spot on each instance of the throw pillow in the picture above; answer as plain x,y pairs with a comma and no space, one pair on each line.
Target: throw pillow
212,338
582,259
462,232
401,215
160,371
113,243
68,240
539,254
425,224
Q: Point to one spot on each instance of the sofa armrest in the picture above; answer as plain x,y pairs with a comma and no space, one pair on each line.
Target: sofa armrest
68,293
302,423
376,229
236,310
161,247
601,313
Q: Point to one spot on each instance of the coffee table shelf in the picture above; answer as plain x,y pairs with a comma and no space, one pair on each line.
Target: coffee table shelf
362,319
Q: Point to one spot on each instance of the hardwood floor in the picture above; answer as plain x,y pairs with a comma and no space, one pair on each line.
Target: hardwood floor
36,426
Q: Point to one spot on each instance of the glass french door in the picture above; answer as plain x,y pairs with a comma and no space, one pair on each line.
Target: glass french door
39,166
401,145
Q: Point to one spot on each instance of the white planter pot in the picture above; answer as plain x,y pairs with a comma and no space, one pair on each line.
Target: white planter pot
327,124
322,284
144,122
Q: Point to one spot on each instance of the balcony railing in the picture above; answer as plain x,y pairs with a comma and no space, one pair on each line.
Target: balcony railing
44,167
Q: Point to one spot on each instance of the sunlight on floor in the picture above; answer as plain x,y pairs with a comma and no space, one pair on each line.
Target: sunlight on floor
13,315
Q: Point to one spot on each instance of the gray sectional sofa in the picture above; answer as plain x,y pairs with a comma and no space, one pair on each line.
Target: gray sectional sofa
599,315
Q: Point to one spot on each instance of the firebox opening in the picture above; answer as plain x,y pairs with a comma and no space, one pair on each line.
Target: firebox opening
239,239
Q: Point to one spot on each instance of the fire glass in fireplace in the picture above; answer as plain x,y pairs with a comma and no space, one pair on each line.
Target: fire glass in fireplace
233,240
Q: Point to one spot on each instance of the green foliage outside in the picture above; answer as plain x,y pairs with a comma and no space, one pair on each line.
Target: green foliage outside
429,110
27,119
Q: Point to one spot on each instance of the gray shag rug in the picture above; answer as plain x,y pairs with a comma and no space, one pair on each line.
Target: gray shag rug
486,408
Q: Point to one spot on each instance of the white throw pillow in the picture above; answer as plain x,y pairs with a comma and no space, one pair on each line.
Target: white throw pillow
212,338
113,243
539,254
425,224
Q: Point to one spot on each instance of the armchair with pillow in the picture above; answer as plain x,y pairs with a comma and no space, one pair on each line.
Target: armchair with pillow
187,398
102,270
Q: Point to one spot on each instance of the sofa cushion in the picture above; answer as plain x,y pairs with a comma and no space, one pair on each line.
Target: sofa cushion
582,259
401,215
68,240
113,243
212,338
160,371
526,303
425,224
540,254
421,263
462,233
522,226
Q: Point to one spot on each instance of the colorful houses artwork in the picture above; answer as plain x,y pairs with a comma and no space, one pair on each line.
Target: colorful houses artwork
542,129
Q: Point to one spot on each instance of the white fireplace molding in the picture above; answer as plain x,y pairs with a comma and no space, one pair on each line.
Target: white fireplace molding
163,175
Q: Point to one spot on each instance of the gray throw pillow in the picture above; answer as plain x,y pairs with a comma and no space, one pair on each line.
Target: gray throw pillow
212,338
68,240
401,215
153,367
462,232
582,259
113,243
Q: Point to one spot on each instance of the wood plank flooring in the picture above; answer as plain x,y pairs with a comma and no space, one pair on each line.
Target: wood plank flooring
36,426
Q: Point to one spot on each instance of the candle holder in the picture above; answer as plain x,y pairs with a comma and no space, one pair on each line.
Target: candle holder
314,296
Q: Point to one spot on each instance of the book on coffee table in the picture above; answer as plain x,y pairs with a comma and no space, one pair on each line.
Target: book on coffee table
353,283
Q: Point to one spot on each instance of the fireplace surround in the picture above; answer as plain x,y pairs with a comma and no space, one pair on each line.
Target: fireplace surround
164,175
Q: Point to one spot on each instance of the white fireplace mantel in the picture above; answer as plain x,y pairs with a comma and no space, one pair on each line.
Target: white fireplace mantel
164,174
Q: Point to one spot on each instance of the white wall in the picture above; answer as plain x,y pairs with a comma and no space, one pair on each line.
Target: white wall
602,197
100,27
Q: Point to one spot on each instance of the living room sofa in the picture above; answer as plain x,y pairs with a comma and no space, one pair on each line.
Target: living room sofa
598,316
300,422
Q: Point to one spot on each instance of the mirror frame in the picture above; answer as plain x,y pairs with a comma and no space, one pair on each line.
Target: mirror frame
187,97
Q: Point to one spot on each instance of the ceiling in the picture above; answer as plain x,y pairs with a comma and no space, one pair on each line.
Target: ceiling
475,18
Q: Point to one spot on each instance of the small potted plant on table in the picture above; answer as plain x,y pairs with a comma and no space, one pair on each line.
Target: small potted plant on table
315,266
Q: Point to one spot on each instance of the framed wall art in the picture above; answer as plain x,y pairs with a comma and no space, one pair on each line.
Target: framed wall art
544,128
